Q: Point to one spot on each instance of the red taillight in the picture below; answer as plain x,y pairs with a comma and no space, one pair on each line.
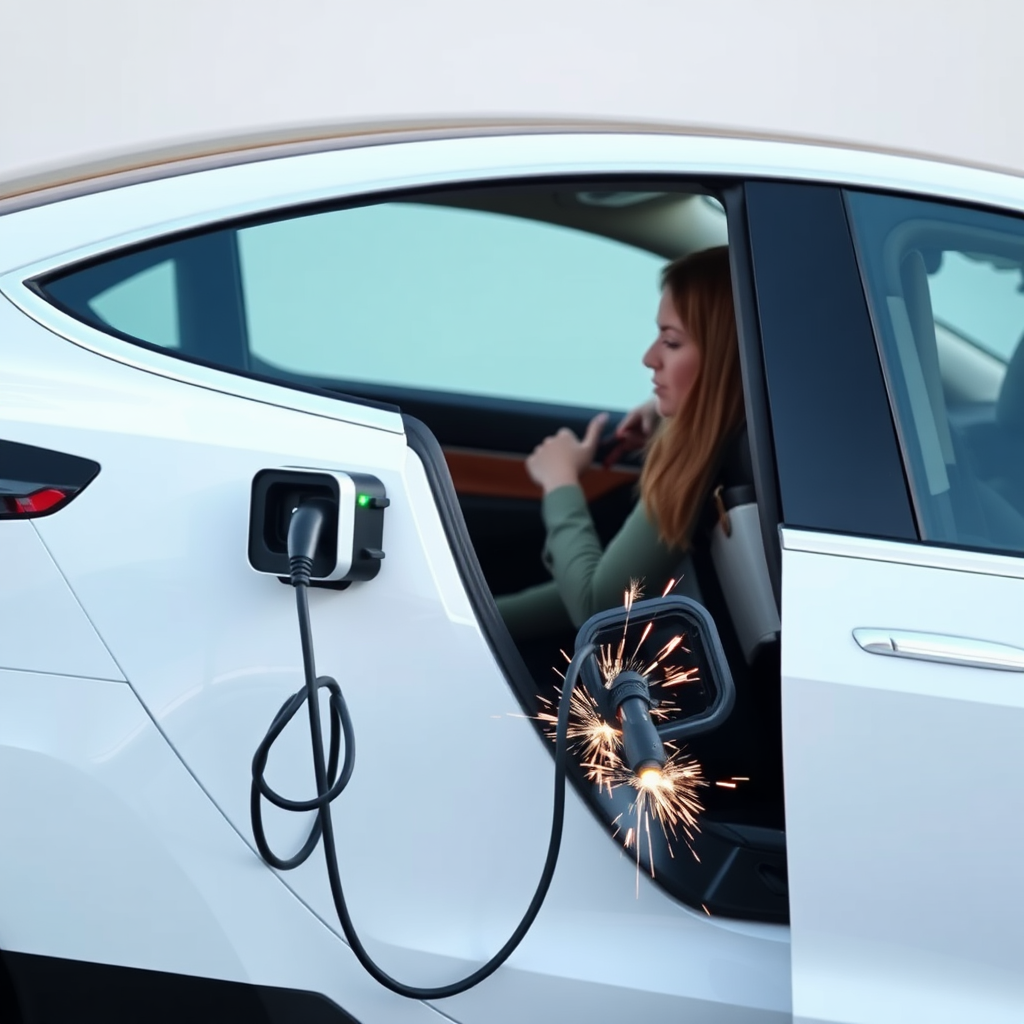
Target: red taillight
42,500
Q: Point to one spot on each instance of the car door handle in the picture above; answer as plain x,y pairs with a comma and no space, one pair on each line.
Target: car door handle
950,650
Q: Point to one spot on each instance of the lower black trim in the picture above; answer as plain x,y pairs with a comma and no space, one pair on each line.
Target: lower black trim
50,990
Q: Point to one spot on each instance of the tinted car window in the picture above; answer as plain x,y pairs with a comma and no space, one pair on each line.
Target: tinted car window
944,284
454,300
414,295
144,305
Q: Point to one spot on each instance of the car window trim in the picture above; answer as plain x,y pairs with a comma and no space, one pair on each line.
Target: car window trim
838,458
755,389
26,287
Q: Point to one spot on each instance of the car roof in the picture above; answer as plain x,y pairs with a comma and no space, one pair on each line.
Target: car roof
81,218
149,164
130,166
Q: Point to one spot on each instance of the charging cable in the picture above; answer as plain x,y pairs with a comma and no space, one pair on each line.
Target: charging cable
303,533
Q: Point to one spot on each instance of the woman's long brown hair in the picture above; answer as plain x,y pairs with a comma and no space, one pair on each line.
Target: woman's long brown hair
685,448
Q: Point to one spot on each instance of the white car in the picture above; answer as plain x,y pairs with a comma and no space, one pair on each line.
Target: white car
422,312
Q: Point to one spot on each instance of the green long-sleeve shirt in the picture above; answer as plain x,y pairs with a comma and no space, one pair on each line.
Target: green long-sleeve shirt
585,578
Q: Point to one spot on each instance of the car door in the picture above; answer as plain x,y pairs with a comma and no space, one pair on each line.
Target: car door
447,815
902,596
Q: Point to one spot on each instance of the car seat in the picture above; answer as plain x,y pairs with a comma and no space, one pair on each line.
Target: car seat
1007,439
729,559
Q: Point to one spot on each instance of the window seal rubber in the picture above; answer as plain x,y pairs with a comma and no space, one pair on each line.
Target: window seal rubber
755,386
426,447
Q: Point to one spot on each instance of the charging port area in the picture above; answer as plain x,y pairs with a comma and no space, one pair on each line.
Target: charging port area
350,545
325,528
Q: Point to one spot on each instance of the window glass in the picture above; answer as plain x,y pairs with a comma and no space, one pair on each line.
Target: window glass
422,295
981,299
944,284
453,300
143,305
136,295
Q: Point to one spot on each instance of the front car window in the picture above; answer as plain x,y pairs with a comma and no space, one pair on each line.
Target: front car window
944,283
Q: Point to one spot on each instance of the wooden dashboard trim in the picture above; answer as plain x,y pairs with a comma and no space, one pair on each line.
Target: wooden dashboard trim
503,475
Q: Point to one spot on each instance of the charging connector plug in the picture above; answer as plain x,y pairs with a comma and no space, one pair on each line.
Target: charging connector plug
629,699
304,529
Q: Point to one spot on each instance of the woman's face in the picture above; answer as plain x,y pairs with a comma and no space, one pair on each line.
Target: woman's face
674,357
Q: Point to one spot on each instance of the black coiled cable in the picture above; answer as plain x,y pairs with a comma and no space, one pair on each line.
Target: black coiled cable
330,781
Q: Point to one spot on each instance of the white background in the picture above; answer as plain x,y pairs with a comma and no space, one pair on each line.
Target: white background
81,82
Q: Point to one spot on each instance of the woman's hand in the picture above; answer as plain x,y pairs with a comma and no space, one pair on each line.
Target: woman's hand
560,459
634,431
636,427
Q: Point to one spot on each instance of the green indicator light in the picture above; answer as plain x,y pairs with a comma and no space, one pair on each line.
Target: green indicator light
363,500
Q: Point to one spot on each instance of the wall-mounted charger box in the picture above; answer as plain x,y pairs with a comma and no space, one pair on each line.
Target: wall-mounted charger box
351,542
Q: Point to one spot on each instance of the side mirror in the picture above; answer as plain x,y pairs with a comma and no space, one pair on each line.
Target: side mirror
658,673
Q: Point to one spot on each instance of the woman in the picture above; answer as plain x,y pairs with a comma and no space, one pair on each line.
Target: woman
698,398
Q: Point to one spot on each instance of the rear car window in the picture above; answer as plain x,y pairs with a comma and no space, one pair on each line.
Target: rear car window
400,294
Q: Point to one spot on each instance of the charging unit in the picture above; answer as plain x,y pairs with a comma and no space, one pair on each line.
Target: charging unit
350,544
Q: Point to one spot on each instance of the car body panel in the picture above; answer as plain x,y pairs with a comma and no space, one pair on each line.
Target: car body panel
877,750
128,863
60,642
